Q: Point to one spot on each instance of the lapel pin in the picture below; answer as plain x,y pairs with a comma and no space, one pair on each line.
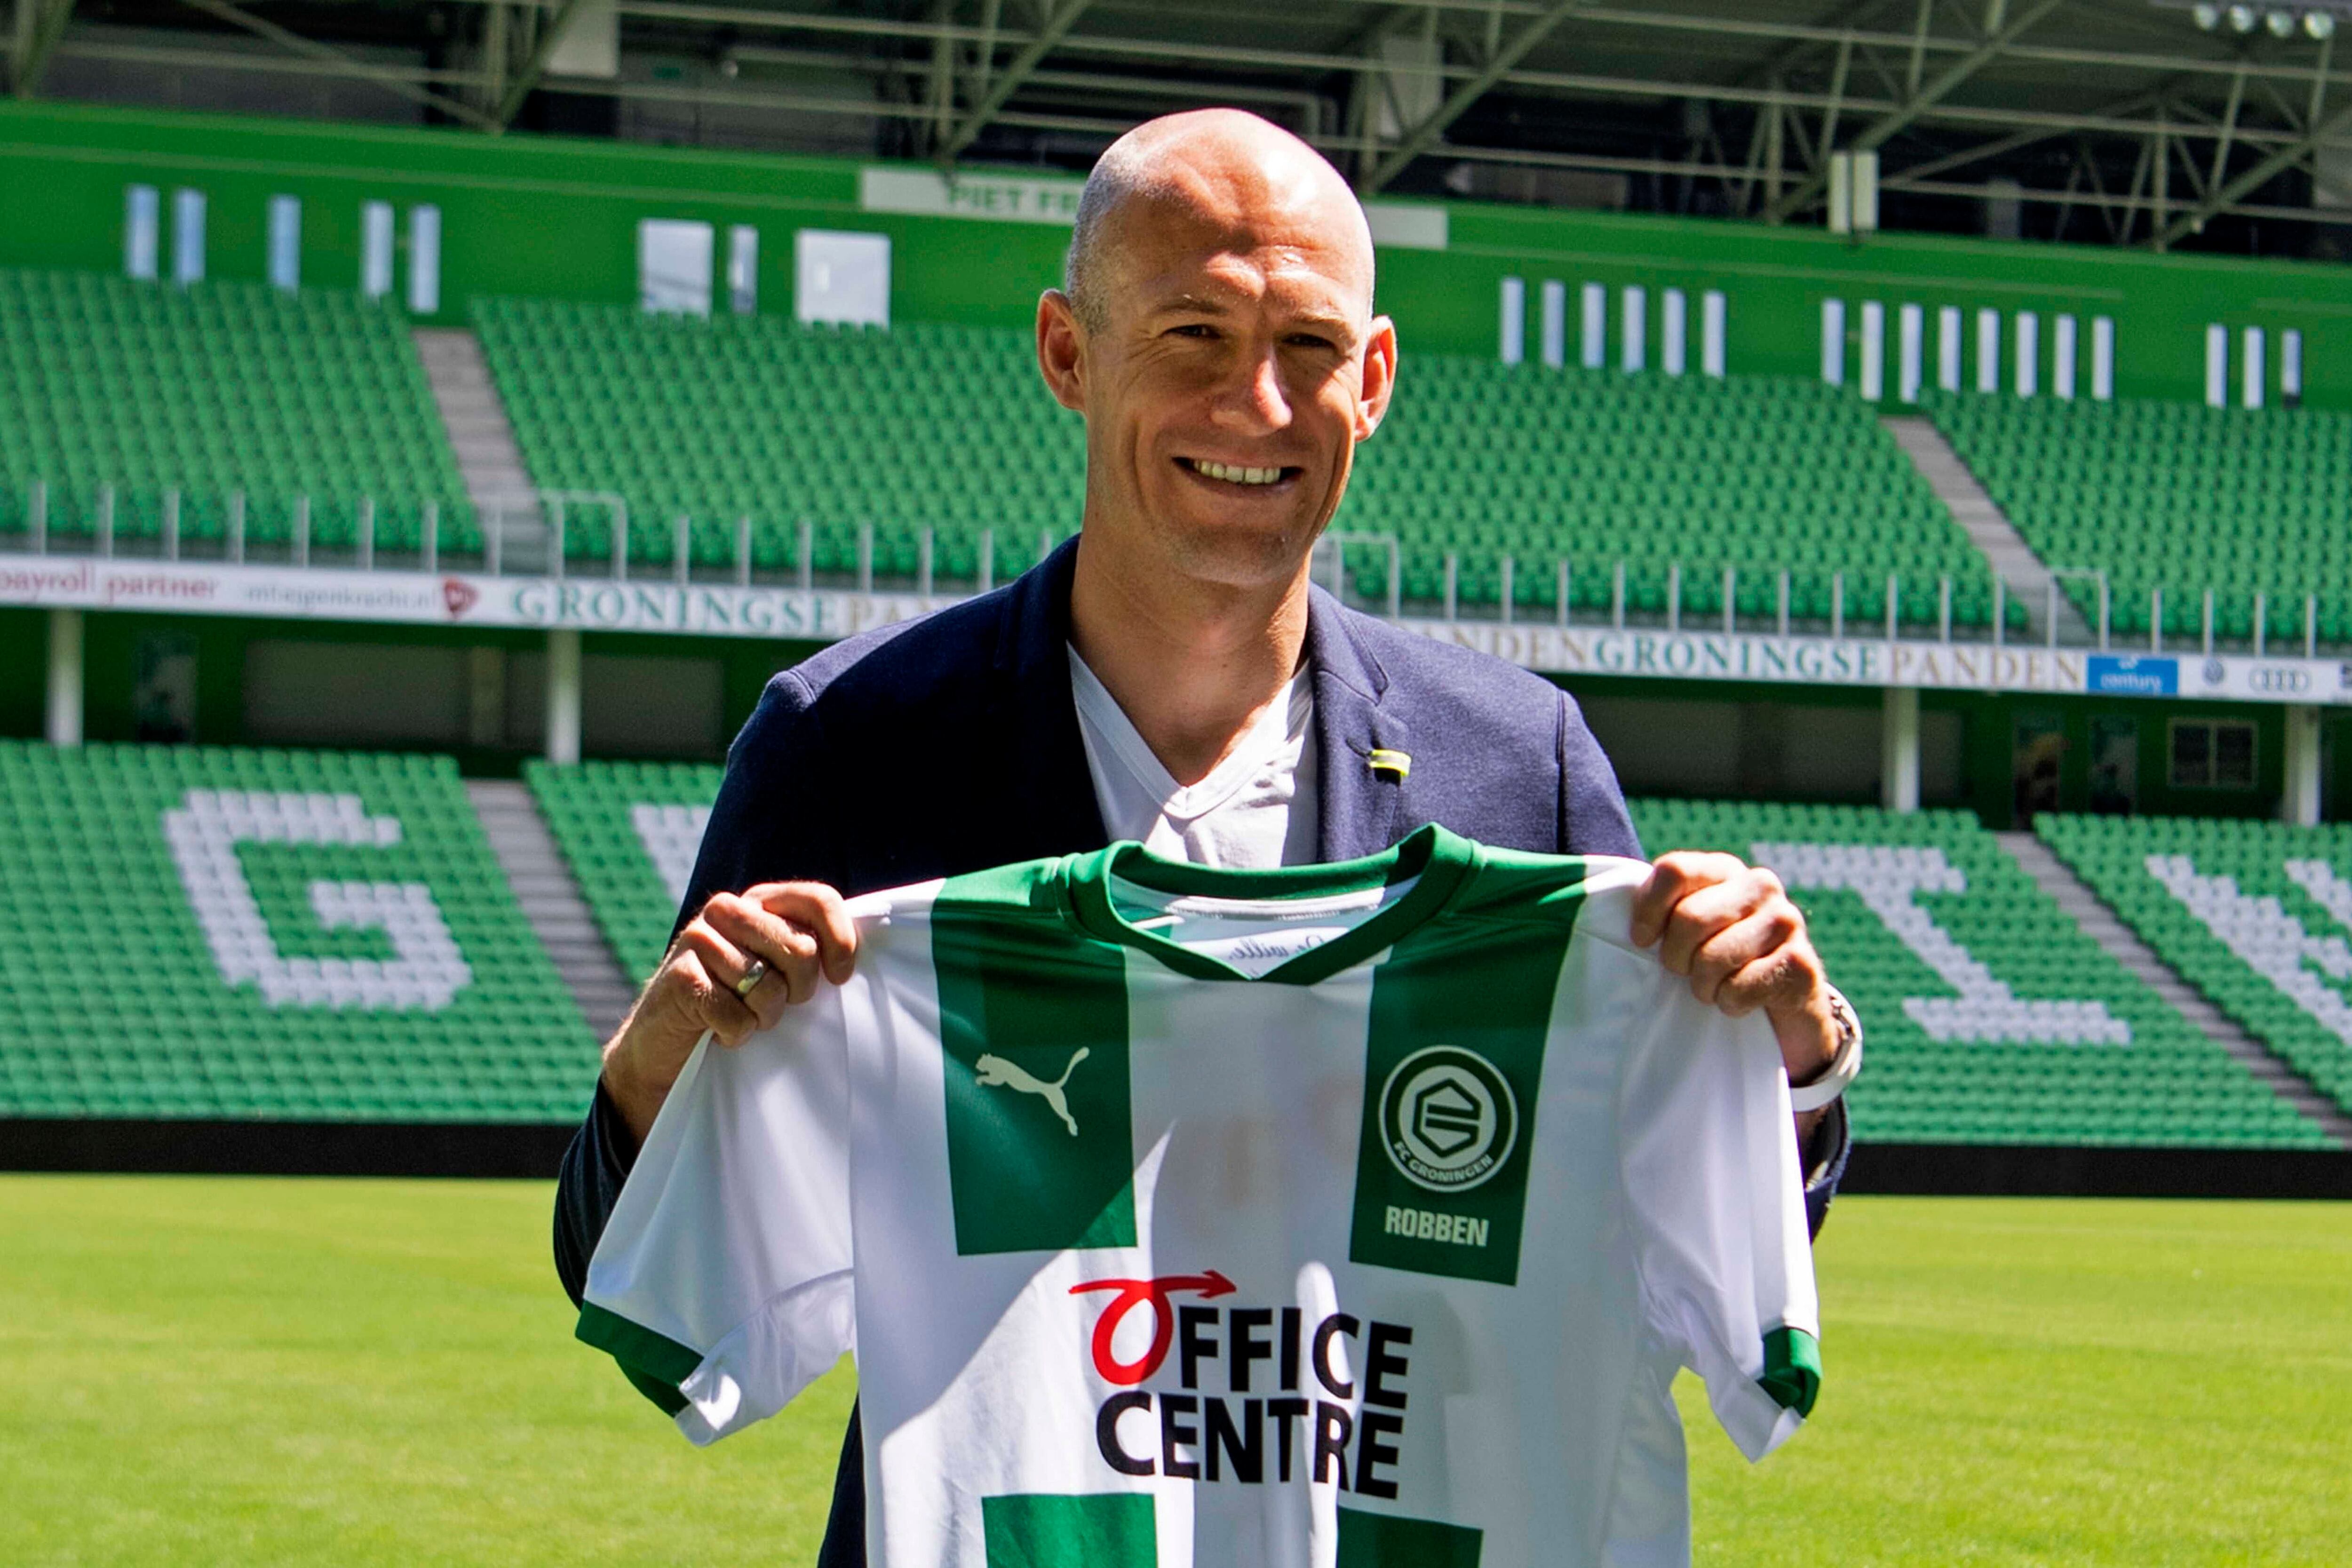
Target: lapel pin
1387,764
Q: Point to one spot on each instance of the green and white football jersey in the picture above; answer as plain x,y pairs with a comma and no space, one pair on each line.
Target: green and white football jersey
1331,1215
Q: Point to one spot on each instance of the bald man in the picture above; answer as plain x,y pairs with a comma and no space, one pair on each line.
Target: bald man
1169,675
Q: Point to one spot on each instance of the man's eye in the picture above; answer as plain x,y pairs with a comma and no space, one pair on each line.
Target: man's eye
1311,340
1194,329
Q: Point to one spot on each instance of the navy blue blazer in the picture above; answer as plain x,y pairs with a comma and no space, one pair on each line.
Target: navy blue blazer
951,743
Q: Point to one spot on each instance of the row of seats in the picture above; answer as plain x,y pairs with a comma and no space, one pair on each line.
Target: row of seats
629,832
1484,460
318,936
948,428
110,387
2174,496
2257,915
330,936
1991,1016
115,396
931,427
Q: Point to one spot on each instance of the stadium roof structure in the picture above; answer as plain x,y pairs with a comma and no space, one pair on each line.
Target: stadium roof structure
2128,121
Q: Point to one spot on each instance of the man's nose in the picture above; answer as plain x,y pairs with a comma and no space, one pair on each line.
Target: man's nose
1255,400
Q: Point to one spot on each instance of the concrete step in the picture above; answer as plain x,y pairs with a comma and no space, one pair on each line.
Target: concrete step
1988,527
2102,925
552,901
474,417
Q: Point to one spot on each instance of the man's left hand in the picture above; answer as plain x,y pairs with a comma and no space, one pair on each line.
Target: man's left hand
1731,928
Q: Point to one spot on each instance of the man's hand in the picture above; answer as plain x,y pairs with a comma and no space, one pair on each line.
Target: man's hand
797,930
1730,927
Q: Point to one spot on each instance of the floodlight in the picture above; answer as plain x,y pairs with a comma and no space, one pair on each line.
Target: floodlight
2282,23
2320,25
2243,18
2207,16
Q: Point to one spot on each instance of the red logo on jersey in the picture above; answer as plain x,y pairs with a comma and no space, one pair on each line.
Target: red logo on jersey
1132,1294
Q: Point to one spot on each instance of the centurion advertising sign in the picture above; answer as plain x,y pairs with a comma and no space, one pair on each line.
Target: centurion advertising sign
828,615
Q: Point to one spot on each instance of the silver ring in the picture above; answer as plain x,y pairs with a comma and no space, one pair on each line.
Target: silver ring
751,977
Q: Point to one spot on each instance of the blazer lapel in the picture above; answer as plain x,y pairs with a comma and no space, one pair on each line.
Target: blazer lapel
1047,801
1360,809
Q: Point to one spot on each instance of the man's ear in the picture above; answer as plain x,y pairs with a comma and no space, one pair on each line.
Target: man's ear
1379,377
1060,340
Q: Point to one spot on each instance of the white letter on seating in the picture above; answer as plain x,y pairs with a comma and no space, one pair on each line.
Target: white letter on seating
2273,942
672,836
204,830
1888,878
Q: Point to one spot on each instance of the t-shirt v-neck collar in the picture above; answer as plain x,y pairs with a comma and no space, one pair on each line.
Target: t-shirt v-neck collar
1188,802
1436,861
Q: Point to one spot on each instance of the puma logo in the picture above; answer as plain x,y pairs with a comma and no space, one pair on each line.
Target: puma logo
996,1072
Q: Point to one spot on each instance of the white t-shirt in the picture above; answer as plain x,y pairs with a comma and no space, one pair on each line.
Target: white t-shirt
1301,1218
1257,809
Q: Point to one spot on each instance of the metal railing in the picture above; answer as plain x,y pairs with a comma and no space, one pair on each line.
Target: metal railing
1843,603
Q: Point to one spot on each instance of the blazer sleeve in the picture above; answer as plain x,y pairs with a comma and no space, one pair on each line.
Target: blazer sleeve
1593,821
748,841
1592,816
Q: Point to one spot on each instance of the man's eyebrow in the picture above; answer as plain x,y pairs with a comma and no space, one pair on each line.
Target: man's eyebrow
1316,320
1336,323
1200,304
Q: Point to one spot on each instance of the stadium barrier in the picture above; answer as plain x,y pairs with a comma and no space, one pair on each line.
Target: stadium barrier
1793,602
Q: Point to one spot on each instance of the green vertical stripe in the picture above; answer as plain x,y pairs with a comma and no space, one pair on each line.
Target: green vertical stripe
1107,1530
1385,1541
1452,1067
1027,1004
1792,1369
653,1363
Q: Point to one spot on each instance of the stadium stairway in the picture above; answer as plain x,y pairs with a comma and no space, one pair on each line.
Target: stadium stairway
553,901
1993,1019
2101,924
628,833
490,463
1988,527
321,938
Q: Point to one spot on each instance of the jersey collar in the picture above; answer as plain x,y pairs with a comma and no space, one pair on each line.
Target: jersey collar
1440,859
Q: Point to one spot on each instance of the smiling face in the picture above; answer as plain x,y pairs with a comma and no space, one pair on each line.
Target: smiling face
1223,351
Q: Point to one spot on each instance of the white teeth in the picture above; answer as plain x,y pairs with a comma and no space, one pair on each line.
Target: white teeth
1238,475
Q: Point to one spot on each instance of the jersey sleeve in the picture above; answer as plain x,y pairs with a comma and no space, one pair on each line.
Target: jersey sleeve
1714,1185
722,1283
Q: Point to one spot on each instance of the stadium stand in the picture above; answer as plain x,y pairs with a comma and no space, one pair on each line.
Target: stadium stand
923,426
756,417
1991,1018
628,831
2254,914
2174,496
1758,473
213,390
282,935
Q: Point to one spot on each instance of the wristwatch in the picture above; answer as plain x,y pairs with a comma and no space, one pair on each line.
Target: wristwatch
1844,1063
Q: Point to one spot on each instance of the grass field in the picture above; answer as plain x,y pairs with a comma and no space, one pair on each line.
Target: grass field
363,1372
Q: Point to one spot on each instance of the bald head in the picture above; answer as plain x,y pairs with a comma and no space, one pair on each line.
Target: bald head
1223,175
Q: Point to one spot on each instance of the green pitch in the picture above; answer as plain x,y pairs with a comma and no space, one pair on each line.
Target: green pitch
360,1373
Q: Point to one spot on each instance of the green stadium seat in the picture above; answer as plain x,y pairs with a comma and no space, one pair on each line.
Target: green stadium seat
923,426
213,390
320,936
2175,496
1992,1016
1759,474
2257,915
629,832
948,428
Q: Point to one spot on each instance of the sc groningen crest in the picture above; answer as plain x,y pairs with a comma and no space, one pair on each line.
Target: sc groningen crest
1448,1119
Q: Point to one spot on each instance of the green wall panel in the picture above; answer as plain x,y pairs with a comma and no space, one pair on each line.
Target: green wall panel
557,219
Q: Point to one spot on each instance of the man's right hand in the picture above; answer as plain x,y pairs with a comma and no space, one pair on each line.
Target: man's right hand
797,929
